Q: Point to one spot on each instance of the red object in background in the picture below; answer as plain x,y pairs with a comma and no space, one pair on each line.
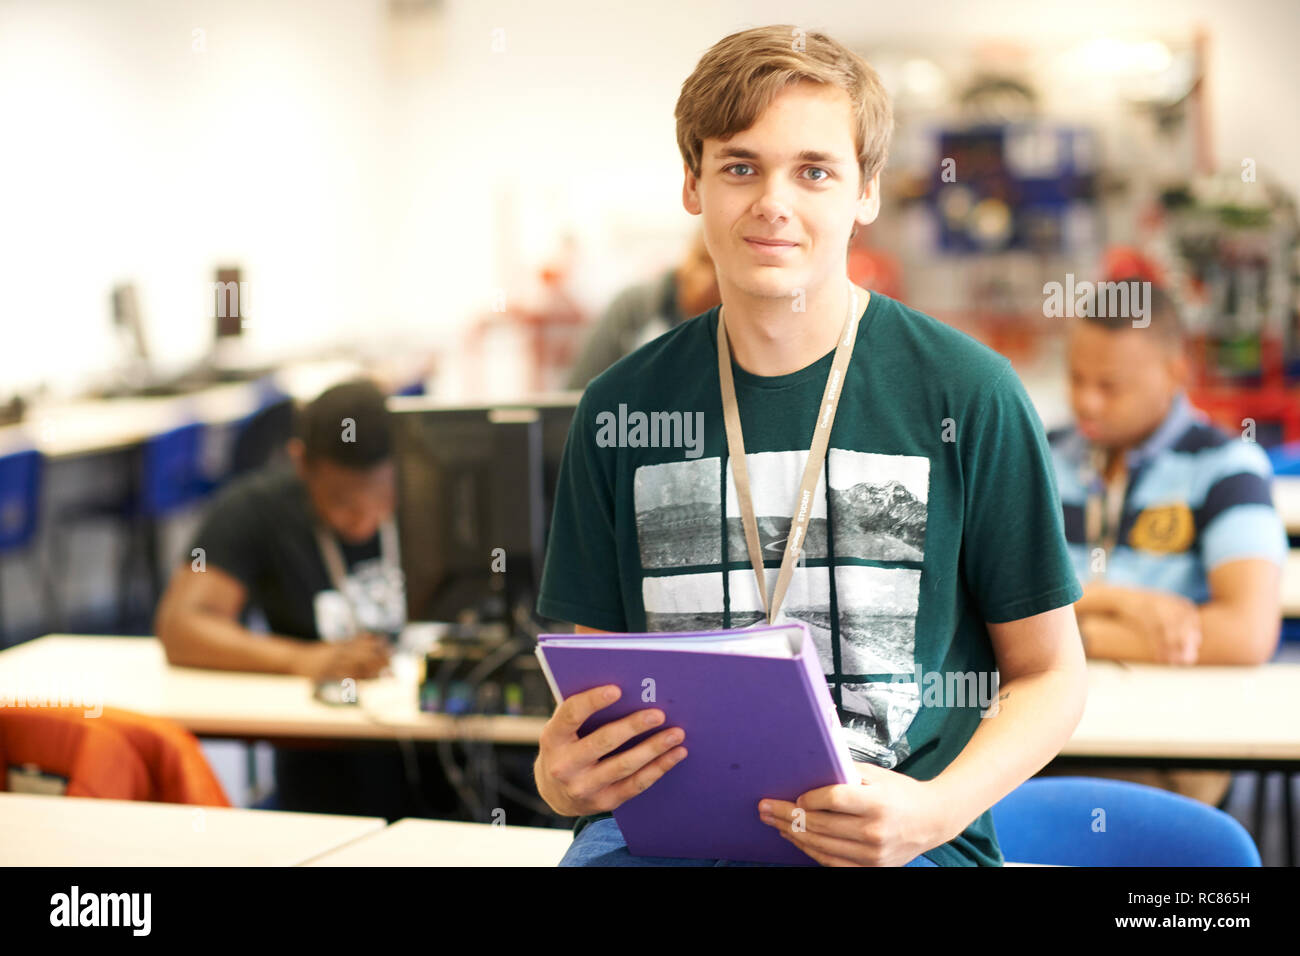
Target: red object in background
1269,403
1227,407
1126,262
876,269
553,332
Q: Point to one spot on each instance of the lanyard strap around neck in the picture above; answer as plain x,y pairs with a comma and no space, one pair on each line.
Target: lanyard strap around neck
332,555
1104,507
803,505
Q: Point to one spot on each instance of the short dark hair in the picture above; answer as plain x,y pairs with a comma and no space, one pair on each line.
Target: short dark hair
347,425
1161,310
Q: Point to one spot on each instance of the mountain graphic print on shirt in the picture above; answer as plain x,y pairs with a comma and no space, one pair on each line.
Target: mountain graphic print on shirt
867,506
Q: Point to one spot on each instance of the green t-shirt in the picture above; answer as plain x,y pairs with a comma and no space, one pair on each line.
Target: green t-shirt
937,512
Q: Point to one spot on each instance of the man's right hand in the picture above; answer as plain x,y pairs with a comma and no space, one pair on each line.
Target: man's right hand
570,773
359,657
1170,623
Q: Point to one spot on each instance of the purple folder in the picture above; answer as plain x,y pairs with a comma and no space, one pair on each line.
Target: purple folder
759,722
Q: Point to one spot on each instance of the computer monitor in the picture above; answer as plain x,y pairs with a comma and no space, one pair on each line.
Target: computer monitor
126,320
228,303
557,416
475,488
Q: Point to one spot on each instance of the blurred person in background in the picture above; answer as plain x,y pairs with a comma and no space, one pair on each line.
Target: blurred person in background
1169,520
270,540
311,545
643,312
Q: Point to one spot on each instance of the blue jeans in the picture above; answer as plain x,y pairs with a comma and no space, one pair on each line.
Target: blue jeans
601,843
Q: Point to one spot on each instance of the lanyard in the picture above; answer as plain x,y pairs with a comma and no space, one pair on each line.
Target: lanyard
332,555
1105,506
812,468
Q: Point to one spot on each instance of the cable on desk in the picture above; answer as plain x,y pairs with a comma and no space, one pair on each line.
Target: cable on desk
481,762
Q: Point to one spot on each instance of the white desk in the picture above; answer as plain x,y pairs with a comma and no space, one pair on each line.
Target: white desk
1153,710
132,673
1286,499
1291,584
75,831
68,429
449,843
446,843
1133,709
91,426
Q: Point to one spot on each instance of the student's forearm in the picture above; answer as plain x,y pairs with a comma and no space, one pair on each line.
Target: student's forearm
1035,717
1105,624
1102,598
1111,637
196,639
1230,635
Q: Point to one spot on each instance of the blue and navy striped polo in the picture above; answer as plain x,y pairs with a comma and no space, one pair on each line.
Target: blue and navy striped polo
1196,497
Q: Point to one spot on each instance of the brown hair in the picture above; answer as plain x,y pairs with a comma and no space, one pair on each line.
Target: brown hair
741,74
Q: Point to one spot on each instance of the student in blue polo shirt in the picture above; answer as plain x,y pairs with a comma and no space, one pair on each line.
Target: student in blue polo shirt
1169,520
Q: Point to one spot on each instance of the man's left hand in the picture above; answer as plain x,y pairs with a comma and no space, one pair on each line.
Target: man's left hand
886,820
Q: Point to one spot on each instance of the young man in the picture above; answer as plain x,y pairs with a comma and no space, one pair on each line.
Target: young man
1169,520
934,548
312,545
303,544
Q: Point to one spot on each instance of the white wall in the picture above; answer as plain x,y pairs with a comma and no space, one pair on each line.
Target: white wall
130,154
380,187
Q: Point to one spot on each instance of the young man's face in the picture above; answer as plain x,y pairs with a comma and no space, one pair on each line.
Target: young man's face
1121,382
792,179
352,502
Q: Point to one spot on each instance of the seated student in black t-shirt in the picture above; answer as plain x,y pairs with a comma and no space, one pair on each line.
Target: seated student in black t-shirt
258,547
313,546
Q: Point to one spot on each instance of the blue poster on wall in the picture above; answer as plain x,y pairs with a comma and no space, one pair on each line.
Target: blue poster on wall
1016,186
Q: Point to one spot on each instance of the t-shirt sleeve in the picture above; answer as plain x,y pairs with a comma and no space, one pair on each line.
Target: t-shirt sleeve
1236,516
580,579
1014,555
230,536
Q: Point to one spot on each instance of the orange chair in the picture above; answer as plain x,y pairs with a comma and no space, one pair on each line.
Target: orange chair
119,755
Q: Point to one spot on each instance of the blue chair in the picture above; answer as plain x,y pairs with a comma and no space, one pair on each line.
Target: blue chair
1058,820
20,483
1285,458
167,474
171,477
415,388
171,473
20,497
